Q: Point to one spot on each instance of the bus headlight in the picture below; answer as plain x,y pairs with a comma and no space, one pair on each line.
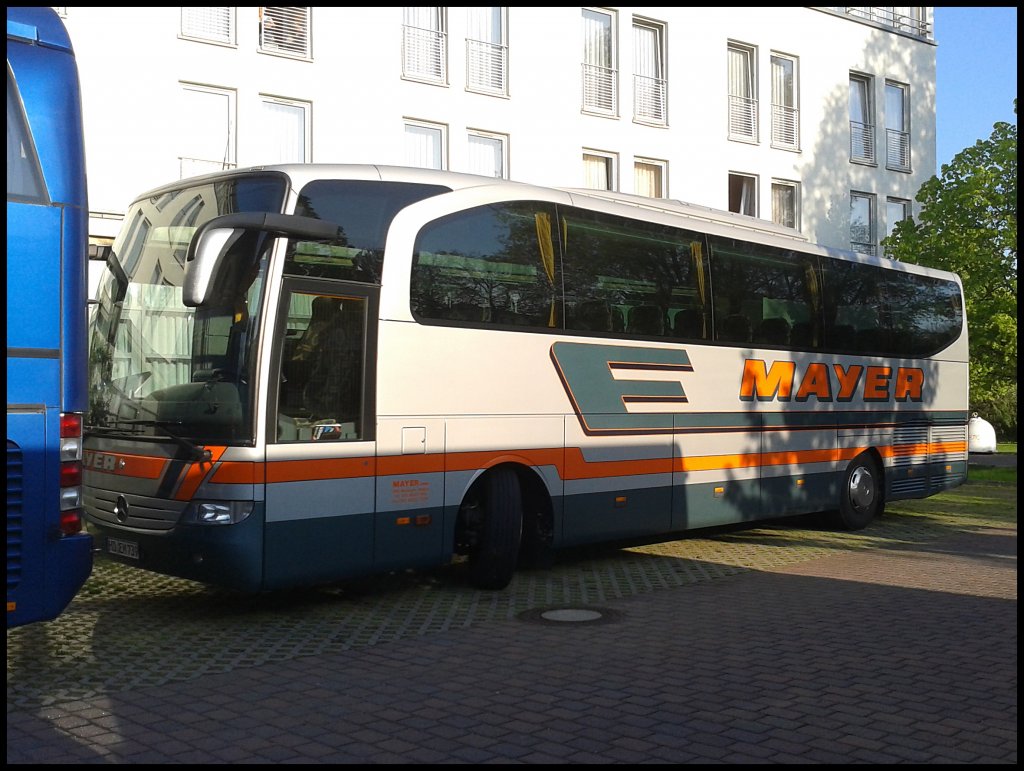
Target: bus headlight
218,512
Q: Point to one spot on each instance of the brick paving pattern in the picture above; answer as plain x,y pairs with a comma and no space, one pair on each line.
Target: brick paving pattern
898,645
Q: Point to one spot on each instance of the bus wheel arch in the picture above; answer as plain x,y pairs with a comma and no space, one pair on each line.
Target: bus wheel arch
489,527
862,492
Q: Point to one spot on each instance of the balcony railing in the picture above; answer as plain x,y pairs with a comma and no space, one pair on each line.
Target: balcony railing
863,247
742,118
649,99
897,150
600,89
890,18
424,54
190,167
785,127
487,67
862,142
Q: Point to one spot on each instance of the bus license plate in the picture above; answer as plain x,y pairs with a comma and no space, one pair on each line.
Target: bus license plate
128,549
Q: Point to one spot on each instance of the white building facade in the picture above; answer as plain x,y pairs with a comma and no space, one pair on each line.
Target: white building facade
818,118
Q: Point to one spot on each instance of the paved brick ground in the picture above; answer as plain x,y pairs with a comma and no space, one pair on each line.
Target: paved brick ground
904,654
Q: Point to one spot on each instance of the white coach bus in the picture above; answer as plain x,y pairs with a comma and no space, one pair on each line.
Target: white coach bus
306,373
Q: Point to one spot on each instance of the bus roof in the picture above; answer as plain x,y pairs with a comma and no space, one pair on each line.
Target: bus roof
716,220
39,25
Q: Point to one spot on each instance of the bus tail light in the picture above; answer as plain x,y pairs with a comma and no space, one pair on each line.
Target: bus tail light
70,473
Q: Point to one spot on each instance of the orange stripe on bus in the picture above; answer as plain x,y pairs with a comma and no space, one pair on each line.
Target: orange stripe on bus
471,461
235,472
904,450
142,466
329,468
400,465
578,467
943,447
570,463
195,473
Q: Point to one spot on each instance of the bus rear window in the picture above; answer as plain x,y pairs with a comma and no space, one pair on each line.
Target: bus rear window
24,177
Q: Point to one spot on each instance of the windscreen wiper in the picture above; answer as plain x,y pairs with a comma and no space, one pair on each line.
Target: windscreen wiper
194,450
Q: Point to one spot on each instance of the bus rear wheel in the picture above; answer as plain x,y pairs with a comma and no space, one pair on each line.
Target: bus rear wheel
496,531
862,496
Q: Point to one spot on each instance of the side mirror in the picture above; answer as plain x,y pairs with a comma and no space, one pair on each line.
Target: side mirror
221,241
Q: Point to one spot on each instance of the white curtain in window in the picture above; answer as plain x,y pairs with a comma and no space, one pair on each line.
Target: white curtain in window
784,205
747,197
424,17
646,52
740,76
647,179
783,93
283,133
597,39
486,156
423,147
484,24
596,172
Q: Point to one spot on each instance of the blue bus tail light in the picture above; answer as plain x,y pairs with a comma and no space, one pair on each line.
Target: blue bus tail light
71,522
70,473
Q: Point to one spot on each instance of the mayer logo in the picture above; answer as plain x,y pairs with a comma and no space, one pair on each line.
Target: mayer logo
602,381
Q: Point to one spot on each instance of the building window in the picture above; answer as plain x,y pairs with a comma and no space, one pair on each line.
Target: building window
743,194
600,78
426,145
786,203
742,93
649,178
285,30
896,210
599,170
206,134
897,130
862,222
785,103
425,44
215,25
488,154
862,120
486,50
650,89
284,131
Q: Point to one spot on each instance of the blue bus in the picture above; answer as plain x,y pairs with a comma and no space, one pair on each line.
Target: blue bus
49,555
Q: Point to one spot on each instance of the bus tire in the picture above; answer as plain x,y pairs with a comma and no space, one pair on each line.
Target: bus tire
862,496
492,560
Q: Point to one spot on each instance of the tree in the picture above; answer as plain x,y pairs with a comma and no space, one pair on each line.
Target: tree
969,226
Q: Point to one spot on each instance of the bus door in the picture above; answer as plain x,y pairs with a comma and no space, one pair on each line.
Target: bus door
321,448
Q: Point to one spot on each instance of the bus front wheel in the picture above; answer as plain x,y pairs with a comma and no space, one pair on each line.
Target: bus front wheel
862,496
496,531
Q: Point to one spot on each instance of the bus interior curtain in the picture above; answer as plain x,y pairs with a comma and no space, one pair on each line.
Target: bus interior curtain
697,255
814,286
547,257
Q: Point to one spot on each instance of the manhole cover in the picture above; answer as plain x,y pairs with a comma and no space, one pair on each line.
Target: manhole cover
570,616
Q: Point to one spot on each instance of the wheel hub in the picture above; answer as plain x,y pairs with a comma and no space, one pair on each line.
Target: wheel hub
862,488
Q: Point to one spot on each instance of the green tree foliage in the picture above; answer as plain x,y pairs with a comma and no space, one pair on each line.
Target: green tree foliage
968,225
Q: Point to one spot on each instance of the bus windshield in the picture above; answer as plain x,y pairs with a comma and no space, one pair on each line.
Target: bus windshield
157,367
